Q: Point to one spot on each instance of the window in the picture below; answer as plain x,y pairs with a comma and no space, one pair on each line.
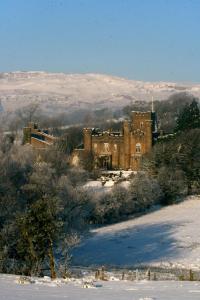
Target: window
106,147
138,148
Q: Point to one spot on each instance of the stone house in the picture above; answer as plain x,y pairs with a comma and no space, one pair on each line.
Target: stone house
39,139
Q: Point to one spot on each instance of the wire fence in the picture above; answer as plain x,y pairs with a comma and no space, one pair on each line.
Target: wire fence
137,274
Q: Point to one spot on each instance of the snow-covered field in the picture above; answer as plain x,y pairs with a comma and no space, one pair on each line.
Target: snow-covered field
10,289
168,237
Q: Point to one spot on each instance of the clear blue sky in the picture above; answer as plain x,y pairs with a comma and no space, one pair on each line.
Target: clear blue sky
136,39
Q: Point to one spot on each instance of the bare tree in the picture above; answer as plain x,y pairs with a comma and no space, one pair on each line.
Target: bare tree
27,113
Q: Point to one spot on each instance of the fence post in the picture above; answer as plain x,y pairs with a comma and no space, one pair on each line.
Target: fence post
148,274
191,276
123,275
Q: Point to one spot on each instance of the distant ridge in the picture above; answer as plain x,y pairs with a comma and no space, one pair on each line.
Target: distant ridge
81,91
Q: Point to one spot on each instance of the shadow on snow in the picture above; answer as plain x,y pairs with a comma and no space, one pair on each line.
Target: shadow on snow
141,244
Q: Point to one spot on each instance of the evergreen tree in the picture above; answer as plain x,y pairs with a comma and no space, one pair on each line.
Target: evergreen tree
176,165
39,230
189,118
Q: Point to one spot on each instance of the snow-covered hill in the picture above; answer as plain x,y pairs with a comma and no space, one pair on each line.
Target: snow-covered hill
70,92
168,238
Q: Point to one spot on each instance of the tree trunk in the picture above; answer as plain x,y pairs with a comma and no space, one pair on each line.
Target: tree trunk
51,261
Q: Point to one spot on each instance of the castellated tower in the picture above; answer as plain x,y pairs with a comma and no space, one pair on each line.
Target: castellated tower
141,137
87,139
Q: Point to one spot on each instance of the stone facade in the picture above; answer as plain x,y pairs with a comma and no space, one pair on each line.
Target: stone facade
37,138
123,149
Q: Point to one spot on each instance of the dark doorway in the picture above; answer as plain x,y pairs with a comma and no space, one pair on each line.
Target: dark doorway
105,162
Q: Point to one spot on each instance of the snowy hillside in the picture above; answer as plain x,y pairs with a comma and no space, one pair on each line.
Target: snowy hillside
168,237
81,91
